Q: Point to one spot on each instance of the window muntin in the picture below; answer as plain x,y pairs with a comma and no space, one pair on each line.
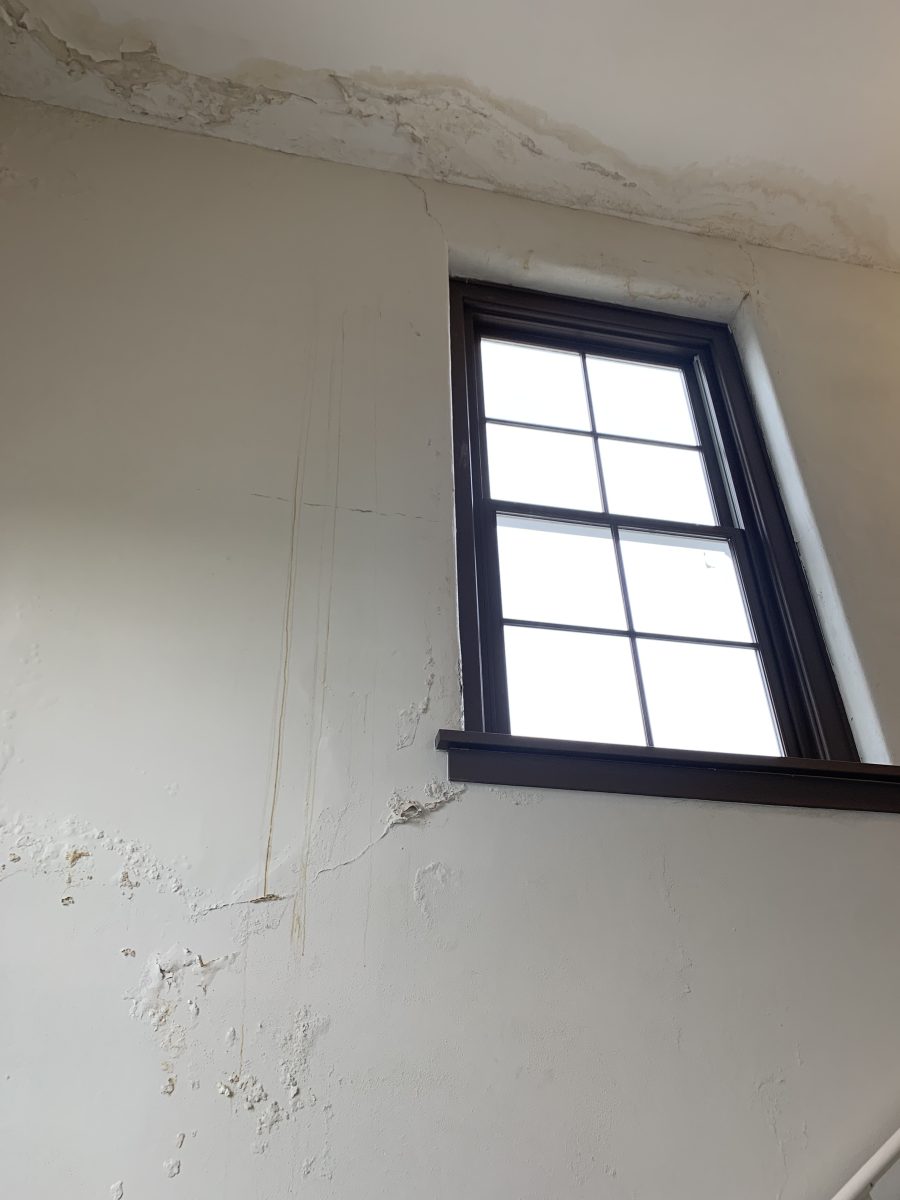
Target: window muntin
707,517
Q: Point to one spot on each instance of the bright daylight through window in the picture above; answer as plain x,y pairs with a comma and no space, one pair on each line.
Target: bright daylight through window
615,633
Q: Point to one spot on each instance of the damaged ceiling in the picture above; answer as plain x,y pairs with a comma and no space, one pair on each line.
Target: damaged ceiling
771,124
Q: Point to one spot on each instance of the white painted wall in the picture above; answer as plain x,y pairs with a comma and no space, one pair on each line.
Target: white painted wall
226,568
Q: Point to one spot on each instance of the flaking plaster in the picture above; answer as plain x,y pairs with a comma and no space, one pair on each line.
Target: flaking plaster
427,126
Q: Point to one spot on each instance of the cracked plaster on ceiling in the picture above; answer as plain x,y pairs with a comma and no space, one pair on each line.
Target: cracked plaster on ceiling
430,127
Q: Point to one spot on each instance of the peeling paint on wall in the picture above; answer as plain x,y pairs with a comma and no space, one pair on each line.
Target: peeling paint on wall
404,807
162,986
61,851
432,127
170,997
271,1105
127,64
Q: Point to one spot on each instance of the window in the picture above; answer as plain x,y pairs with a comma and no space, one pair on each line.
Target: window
631,599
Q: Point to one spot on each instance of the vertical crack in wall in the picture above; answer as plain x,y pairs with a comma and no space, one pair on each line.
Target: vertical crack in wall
304,424
320,673
286,644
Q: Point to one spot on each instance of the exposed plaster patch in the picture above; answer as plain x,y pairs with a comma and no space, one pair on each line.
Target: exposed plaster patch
156,1001
172,981
255,922
433,127
429,883
436,793
268,1120
161,990
117,1190
431,886
258,1098
520,797
403,808
168,971
7,750
253,1092
126,63
408,720
296,1048
682,966
790,1141
57,848
269,898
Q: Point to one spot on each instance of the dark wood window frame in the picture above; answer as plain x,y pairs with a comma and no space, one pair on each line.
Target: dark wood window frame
821,764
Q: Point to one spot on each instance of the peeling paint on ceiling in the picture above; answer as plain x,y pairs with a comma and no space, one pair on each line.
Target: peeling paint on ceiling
434,126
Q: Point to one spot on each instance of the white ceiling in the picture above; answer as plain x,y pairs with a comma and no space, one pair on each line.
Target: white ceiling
770,121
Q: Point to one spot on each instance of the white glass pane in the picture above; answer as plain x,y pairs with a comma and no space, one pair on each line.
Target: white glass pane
558,572
530,384
536,467
684,585
641,401
572,685
656,481
707,698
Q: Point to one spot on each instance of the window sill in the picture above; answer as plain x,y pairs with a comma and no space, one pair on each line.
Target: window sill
497,758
